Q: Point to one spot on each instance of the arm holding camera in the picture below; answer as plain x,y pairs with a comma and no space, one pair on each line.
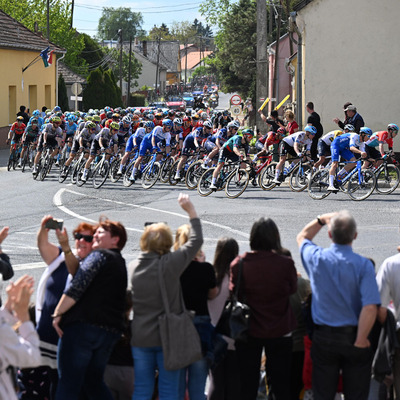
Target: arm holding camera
71,261
48,251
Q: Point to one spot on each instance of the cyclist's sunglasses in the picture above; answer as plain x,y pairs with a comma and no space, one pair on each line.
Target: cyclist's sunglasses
86,238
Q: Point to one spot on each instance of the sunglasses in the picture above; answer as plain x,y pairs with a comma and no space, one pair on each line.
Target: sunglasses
86,238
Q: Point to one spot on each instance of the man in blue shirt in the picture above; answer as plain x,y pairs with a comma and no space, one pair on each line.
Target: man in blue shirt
344,307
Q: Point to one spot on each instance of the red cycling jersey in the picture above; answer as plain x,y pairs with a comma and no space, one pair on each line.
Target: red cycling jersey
18,129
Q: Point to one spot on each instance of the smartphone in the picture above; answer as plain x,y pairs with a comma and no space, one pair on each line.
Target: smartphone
151,223
54,224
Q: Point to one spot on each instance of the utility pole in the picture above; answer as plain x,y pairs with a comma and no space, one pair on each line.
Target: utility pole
158,63
186,45
275,82
262,59
128,95
120,61
48,19
72,13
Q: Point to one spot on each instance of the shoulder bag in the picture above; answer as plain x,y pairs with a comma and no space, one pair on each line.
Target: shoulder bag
234,320
179,338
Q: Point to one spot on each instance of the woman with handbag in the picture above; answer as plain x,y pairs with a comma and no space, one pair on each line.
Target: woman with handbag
155,276
198,285
268,279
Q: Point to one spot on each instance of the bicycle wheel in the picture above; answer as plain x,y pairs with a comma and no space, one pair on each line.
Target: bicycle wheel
203,188
387,179
46,167
125,180
172,172
166,167
237,183
63,175
114,168
193,174
318,185
299,178
25,160
10,160
100,174
267,176
359,188
150,175
79,174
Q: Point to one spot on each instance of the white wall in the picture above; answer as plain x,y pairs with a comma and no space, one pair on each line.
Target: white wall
352,53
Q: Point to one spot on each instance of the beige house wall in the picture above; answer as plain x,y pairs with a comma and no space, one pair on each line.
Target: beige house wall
352,53
34,88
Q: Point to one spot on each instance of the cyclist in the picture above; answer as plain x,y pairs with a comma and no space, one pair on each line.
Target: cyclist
70,129
193,142
36,115
159,136
378,139
230,150
134,142
176,133
101,142
224,119
52,136
125,130
217,140
291,145
30,136
347,146
82,141
15,134
186,129
267,140
324,143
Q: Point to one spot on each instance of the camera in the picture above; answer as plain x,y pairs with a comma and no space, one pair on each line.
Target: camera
54,224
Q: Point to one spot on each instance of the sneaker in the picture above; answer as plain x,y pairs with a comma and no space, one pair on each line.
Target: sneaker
84,178
132,179
34,170
277,181
213,186
119,172
177,177
19,165
57,164
204,166
331,188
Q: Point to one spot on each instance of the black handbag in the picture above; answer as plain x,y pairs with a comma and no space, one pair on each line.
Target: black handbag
235,317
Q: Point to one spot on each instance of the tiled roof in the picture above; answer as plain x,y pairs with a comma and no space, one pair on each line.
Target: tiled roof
193,59
69,75
301,4
14,35
169,54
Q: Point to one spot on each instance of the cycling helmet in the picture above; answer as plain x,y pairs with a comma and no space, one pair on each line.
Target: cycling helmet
310,129
186,119
248,134
56,118
234,124
207,124
171,113
349,127
59,114
178,121
36,114
165,113
109,114
127,120
90,125
136,112
56,109
135,117
159,115
34,121
281,131
71,118
116,115
393,127
149,124
20,118
366,131
204,115
89,118
114,125
167,122
96,118
123,112
107,109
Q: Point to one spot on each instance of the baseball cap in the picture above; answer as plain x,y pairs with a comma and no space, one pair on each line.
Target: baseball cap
351,108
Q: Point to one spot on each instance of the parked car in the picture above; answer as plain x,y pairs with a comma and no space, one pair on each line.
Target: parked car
188,98
176,103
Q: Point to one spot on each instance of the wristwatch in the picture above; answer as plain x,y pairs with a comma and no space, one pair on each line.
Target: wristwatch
319,220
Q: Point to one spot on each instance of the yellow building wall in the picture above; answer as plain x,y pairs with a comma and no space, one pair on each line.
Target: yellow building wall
34,88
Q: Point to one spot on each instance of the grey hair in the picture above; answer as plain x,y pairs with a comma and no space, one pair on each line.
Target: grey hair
343,227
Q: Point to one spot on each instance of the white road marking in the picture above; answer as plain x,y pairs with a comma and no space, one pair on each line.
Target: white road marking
57,200
22,267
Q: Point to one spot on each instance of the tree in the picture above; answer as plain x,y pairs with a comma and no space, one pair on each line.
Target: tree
92,53
62,94
158,32
112,19
101,90
183,31
31,12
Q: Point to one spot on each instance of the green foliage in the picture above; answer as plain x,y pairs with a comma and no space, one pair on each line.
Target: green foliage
200,71
214,10
92,52
29,12
62,94
101,89
160,32
234,59
112,19
184,31
137,100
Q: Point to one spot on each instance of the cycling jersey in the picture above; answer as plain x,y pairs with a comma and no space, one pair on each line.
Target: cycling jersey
71,129
270,138
106,135
18,129
341,146
51,132
380,137
331,136
300,138
86,135
32,133
160,135
124,130
40,121
235,141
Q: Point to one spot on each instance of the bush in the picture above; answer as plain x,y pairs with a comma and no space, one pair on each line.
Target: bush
137,100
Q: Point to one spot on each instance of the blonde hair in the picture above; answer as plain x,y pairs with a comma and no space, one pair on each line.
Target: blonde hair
181,236
289,114
157,238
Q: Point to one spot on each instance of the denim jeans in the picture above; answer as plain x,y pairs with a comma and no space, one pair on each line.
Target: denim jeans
194,379
83,353
147,360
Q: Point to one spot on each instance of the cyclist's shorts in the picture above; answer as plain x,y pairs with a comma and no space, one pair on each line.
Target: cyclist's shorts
323,149
209,146
29,140
95,147
372,152
285,149
145,146
121,140
259,146
225,155
130,145
338,152
16,138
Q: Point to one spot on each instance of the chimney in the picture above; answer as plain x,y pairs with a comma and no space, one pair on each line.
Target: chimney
144,47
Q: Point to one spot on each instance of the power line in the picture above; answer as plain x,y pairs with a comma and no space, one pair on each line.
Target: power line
147,8
145,12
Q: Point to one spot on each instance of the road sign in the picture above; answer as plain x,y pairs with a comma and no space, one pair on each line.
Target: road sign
236,110
77,98
76,88
236,100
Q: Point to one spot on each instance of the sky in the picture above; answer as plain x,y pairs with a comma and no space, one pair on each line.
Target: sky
86,14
